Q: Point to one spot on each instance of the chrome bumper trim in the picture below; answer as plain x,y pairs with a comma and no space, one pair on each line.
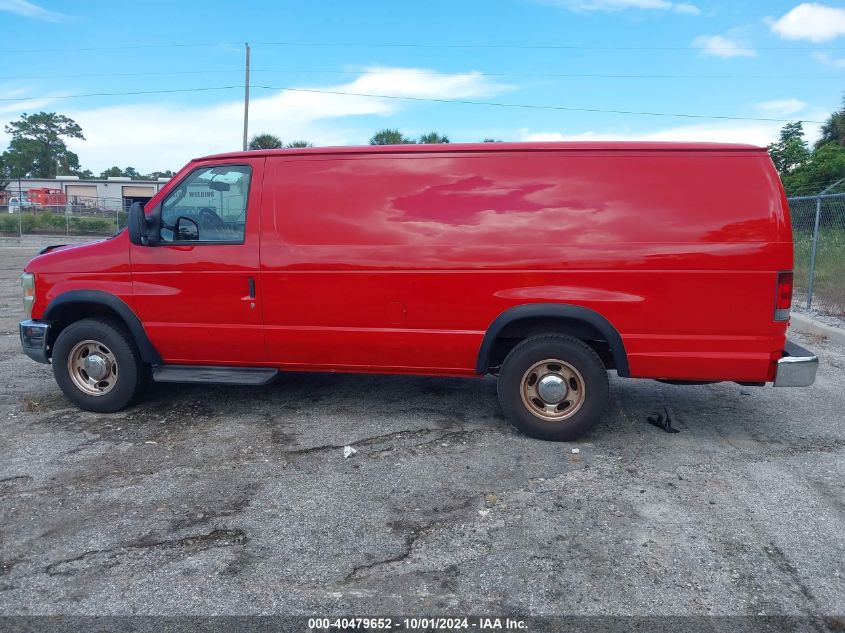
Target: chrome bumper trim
34,336
797,368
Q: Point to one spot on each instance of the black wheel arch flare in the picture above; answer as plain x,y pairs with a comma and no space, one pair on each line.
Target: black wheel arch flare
115,304
554,310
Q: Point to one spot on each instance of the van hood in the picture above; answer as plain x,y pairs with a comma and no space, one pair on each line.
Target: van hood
107,255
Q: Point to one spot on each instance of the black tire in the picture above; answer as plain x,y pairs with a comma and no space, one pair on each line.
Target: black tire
578,355
130,374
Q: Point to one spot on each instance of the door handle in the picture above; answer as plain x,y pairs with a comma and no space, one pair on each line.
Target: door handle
251,282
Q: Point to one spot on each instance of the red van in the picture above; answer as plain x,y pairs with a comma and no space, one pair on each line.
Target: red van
544,264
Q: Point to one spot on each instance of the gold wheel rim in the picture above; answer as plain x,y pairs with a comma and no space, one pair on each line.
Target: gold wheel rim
92,367
552,390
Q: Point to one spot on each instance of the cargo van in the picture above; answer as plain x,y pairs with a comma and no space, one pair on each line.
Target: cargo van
544,264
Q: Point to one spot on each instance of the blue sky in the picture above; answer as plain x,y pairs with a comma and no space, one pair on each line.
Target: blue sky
765,59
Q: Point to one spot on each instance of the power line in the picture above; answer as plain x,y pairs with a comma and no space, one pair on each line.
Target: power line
538,107
461,45
115,94
499,104
576,47
115,48
416,72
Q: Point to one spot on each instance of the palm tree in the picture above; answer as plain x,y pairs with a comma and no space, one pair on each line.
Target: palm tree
265,141
833,129
389,136
299,143
434,137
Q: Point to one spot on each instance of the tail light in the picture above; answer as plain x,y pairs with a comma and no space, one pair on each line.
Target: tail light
783,298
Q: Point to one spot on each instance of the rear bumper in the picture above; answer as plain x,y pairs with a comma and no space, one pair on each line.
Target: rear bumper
34,337
797,368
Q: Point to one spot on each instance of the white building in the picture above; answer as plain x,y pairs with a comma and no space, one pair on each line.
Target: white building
111,193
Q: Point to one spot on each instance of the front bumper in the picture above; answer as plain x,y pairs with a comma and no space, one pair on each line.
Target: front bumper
797,368
34,337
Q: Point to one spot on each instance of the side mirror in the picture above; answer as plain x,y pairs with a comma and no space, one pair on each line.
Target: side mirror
143,229
187,230
137,224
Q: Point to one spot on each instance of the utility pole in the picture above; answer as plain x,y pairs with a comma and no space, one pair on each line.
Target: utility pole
246,98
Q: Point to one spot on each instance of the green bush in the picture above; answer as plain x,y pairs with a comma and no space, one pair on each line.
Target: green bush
8,223
55,224
91,226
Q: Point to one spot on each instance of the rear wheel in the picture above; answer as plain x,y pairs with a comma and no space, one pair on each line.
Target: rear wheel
97,365
553,387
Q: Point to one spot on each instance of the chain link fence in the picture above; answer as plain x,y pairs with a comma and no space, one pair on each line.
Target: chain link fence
818,226
818,229
97,217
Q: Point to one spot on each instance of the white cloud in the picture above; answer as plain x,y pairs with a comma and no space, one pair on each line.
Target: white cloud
163,135
25,106
827,60
683,7
811,21
720,46
419,82
759,133
29,103
779,108
621,5
29,10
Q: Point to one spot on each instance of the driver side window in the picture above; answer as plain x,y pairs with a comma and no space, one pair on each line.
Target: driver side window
208,206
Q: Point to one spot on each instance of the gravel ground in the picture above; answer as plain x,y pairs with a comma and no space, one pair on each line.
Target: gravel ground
827,319
208,500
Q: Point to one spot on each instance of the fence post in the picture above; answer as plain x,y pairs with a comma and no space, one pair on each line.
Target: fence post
20,208
813,253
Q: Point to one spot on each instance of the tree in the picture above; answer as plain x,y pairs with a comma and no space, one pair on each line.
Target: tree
5,176
833,130
389,136
299,143
790,151
131,172
111,172
434,137
825,167
265,141
37,148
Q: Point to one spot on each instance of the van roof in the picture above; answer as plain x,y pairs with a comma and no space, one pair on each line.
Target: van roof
496,147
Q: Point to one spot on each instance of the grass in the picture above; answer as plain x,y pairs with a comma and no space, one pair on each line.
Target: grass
829,279
47,223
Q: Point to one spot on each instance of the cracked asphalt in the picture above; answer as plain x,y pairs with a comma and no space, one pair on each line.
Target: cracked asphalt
210,500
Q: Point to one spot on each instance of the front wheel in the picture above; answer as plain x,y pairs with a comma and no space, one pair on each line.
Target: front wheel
553,387
97,365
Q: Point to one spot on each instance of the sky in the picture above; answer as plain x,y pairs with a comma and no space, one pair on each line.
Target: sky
594,68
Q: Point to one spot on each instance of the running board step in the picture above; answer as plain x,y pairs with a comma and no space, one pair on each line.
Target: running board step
214,374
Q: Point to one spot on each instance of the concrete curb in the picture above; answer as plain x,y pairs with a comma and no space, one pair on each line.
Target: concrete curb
803,323
47,240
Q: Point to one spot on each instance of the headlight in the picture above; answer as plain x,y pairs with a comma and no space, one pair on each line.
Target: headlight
28,283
